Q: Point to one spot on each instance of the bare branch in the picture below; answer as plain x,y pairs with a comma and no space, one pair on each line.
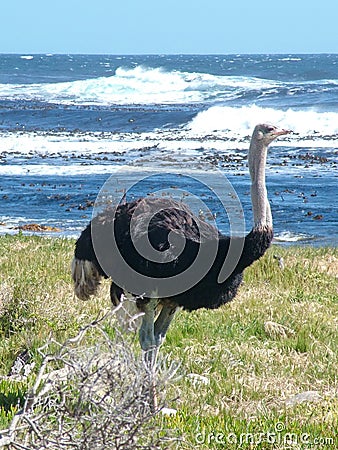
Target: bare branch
91,392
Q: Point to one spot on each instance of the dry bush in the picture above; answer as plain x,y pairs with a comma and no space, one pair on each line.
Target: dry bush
92,392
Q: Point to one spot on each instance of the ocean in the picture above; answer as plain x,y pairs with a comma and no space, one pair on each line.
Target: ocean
74,126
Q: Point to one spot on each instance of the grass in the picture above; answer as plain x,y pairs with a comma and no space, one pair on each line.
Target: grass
276,340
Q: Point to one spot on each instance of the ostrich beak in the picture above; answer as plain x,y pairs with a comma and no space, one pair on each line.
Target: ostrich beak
282,132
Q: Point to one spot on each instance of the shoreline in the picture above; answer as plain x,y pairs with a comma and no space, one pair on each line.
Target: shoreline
35,230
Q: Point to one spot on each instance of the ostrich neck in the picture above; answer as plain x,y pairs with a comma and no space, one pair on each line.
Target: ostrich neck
260,204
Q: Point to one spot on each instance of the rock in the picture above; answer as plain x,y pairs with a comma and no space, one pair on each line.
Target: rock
280,260
36,227
277,330
168,412
307,396
197,379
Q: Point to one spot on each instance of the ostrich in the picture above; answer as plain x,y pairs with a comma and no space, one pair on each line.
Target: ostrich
174,219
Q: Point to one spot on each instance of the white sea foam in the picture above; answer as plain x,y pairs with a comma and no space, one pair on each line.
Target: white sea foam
31,143
148,86
58,170
76,169
133,86
242,120
206,133
289,236
139,85
290,59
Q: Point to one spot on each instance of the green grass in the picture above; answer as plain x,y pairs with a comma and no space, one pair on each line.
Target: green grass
278,338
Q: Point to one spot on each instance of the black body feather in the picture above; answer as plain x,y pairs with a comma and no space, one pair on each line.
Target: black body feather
175,217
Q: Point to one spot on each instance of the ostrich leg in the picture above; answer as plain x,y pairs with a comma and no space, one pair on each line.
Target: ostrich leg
162,323
150,349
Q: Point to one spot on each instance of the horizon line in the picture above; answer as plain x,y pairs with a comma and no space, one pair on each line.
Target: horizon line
166,53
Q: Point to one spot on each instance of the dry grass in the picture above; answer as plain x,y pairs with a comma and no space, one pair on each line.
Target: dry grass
259,354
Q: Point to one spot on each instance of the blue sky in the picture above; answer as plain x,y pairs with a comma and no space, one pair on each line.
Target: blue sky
172,26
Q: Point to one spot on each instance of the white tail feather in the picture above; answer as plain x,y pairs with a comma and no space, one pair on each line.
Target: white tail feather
86,278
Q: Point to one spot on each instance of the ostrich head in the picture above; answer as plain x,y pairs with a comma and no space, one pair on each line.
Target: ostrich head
262,136
266,133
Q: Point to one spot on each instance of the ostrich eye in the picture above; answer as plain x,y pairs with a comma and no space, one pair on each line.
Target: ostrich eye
269,129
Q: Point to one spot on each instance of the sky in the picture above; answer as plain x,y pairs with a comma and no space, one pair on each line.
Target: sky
169,27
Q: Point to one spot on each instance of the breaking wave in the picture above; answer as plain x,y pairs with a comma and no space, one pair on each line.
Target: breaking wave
142,85
137,86
243,119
